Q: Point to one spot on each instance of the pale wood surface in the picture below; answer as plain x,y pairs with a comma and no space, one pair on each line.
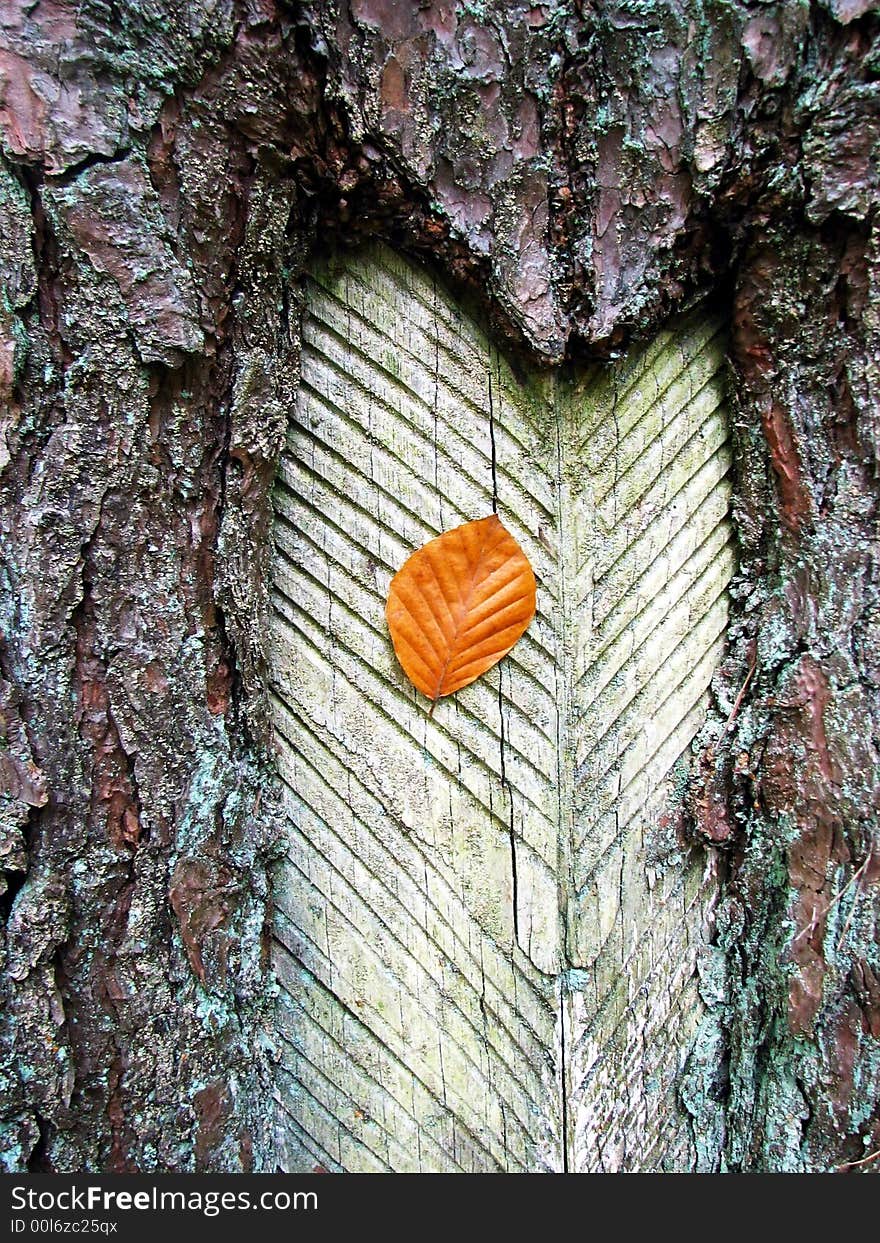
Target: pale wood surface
486,953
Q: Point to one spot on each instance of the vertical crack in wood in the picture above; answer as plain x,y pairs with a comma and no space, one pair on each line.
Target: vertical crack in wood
505,784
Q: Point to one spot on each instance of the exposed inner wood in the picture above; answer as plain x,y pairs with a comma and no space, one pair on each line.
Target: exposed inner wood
486,927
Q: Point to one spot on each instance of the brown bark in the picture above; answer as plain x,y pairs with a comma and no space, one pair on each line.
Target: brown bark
584,169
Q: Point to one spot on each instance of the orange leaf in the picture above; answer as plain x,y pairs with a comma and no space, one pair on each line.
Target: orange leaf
459,604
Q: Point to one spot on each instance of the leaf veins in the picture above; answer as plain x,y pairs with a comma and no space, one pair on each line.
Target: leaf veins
459,604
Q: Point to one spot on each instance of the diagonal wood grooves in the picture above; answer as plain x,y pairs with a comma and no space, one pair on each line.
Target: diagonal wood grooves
484,757
287,476
411,860
407,1127
423,1022
411,402
459,366
479,708
520,1052
512,1052
390,1033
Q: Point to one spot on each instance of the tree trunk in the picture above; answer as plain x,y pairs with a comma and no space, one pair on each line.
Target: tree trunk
578,176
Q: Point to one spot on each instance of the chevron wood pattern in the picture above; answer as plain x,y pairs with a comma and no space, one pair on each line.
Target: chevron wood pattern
482,962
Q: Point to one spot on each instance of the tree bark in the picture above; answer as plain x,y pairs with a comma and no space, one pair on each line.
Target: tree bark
583,171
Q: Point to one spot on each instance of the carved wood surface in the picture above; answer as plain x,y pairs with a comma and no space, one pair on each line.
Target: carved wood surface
485,960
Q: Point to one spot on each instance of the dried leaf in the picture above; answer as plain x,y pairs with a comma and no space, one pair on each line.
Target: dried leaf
459,604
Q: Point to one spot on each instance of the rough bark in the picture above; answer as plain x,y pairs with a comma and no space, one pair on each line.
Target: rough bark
584,170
